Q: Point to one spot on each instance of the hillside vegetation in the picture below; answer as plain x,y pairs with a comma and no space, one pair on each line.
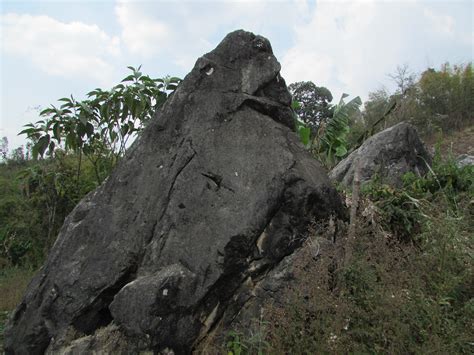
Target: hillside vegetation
409,284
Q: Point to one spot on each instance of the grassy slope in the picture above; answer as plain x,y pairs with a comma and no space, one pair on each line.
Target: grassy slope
13,282
398,297
457,143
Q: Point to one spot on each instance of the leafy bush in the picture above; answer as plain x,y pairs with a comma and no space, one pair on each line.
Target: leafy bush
101,127
35,200
405,210
36,196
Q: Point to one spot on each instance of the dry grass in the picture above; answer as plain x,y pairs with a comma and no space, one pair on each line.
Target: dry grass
13,282
457,143
392,298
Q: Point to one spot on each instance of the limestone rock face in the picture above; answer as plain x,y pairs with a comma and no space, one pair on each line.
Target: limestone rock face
388,154
214,194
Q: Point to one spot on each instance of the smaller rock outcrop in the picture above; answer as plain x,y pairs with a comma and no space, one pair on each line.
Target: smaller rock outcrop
388,155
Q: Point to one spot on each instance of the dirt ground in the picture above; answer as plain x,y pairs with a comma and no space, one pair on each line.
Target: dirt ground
455,143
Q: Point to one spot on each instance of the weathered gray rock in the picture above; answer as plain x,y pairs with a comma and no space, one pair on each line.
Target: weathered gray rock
388,155
215,193
465,160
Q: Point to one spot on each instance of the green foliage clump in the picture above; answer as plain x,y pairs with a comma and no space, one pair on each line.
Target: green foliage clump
79,142
100,127
313,103
252,341
404,210
35,199
330,144
333,145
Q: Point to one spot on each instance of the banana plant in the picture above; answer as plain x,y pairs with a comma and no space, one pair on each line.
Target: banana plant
332,144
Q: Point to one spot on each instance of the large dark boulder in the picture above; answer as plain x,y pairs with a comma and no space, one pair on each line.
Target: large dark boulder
387,155
215,193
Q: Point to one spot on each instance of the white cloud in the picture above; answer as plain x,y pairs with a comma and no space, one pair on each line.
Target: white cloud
441,23
141,34
352,46
182,31
71,50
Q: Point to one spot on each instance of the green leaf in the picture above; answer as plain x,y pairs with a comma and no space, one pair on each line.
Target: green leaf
341,151
124,129
125,112
104,112
129,78
34,152
28,131
81,130
57,131
89,129
174,79
83,119
46,111
295,105
42,144
305,135
146,79
71,141
113,135
52,145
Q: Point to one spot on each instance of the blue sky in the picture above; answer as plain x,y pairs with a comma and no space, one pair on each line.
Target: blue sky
51,49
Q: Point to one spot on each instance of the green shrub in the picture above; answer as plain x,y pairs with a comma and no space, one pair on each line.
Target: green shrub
36,198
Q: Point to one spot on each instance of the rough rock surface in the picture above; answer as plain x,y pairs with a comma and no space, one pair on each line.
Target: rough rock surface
388,154
215,193
465,160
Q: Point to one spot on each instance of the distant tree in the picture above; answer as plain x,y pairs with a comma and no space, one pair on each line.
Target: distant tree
404,95
4,148
313,103
403,78
447,95
375,106
436,99
18,155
